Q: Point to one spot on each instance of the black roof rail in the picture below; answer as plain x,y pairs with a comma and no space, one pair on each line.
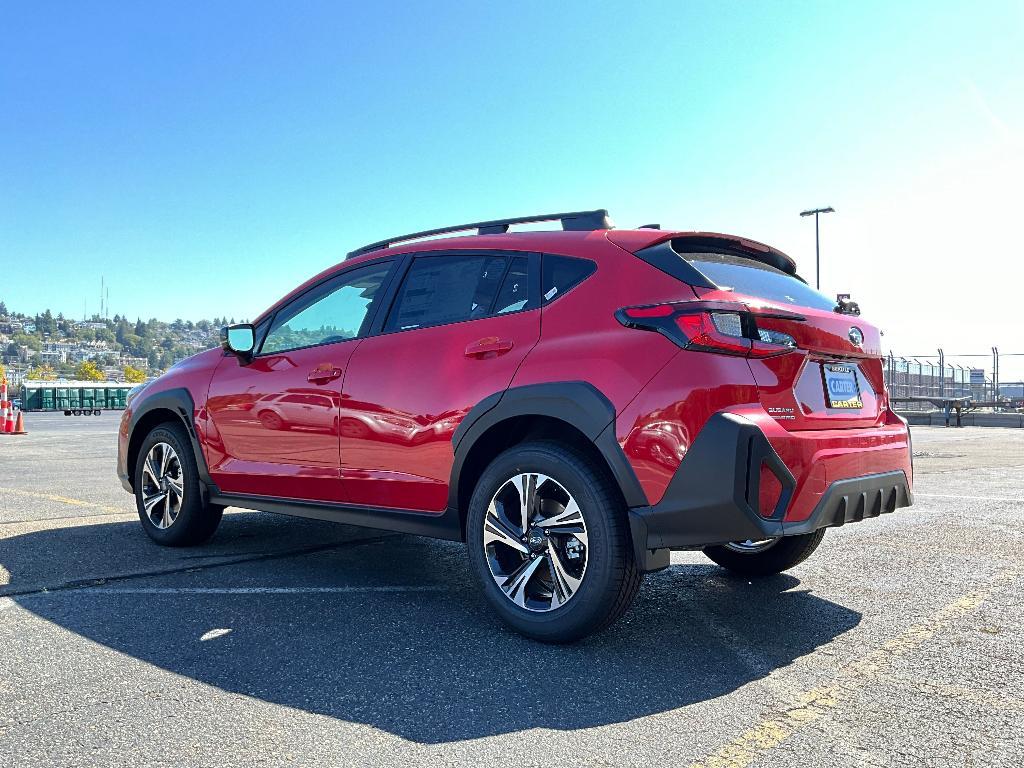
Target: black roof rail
576,221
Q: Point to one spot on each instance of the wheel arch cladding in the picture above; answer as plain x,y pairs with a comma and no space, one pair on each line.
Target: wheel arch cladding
573,411
168,406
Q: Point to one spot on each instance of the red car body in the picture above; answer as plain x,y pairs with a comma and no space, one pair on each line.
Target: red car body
400,423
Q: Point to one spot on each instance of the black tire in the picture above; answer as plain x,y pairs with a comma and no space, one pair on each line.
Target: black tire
77,411
785,553
610,580
195,521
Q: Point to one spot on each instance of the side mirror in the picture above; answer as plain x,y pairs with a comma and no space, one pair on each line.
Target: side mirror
239,339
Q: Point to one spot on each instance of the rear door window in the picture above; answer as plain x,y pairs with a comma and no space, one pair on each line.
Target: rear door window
447,289
514,293
754,278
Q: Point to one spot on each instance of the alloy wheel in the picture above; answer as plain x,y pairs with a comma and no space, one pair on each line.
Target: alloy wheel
535,542
750,546
163,488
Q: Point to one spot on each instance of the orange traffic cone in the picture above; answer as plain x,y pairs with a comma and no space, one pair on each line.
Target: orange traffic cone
8,420
19,425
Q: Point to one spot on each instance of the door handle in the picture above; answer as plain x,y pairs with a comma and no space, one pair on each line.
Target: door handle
489,346
323,375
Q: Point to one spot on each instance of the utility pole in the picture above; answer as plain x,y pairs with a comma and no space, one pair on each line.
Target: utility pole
942,373
995,377
817,241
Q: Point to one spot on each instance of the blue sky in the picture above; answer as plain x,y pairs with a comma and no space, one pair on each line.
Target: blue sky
206,158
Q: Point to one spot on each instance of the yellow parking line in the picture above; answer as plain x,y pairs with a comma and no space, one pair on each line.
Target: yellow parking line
808,706
63,500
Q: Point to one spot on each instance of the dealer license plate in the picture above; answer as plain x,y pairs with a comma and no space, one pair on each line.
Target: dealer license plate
841,387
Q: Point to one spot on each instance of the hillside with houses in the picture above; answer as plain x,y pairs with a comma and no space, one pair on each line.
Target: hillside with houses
116,349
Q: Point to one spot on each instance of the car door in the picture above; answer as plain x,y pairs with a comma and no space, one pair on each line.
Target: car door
460,325
274,420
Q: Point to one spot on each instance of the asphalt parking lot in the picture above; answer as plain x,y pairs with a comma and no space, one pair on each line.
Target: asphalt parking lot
286,641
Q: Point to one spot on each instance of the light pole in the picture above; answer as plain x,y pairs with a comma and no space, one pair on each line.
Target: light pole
817,242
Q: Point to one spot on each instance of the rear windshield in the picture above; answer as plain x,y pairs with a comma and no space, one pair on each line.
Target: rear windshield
753,278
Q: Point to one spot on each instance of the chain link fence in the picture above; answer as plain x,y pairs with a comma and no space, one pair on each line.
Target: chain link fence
976,376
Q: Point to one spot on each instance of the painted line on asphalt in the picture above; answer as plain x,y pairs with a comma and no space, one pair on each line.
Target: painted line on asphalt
249,590
47,520
64,500
810,706
965,498
95,582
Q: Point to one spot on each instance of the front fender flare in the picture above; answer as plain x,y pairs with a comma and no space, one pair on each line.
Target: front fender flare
179,402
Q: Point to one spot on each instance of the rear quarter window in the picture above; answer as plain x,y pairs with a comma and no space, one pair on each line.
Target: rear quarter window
562,273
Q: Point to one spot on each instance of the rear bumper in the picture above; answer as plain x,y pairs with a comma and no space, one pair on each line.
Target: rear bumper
713,496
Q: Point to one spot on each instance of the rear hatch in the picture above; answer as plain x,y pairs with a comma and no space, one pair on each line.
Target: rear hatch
832,378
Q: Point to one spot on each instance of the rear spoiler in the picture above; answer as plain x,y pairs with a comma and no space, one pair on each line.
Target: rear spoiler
703,242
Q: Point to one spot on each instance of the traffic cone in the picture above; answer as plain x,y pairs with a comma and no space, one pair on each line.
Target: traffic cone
8,420
19,425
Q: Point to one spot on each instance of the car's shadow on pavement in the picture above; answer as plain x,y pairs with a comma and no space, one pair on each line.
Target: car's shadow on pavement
430,666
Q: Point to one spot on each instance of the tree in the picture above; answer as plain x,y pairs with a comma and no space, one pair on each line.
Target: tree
45,323
140,327
3,309
133,344
134,375
88,371
43,372
3,371
28,340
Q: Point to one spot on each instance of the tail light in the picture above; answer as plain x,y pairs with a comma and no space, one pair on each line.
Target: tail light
723,327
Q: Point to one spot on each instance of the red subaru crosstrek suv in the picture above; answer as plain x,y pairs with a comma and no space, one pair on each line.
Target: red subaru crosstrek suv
572,404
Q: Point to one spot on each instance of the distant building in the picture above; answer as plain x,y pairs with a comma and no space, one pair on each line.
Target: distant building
1012,390
55,353
141,363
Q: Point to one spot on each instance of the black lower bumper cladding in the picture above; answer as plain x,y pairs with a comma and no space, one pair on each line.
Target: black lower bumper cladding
713,496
